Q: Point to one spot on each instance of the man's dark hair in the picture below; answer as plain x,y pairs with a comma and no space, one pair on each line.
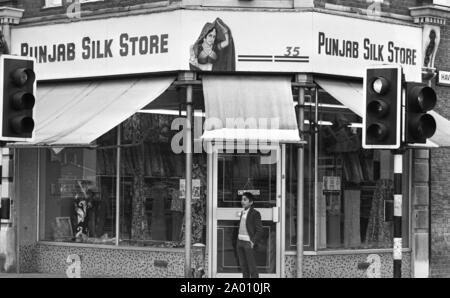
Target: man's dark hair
249,196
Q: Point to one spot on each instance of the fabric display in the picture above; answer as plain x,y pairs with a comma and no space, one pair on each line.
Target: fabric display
352,233
339,138
198,206
158,195
176,203
81,227
352,168
379,232
322,217
366,161
334,220
139,220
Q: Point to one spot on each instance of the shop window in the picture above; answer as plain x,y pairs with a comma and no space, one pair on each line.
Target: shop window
52,3
441,2
354,186
77,193
348,203
291,192
58,3
152,185
78,196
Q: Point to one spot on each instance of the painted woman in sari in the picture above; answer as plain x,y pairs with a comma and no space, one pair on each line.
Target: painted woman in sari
214,48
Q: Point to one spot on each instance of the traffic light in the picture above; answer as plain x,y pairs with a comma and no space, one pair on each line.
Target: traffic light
419,125
382,102
18,86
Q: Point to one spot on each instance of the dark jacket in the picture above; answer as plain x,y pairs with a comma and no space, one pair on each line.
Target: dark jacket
254,225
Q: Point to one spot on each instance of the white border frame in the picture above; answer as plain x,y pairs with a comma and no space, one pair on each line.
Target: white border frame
399,106
2,59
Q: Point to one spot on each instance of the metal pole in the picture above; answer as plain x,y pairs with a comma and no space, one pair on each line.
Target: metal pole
398,168
188,151
300,182
316,166
119,130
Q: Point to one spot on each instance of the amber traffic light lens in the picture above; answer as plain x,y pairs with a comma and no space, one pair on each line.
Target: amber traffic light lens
378,108
23,100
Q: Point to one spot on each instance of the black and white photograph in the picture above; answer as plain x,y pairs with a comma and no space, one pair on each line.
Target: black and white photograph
225,146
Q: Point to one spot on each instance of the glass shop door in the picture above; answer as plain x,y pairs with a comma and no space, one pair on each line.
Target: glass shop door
233,174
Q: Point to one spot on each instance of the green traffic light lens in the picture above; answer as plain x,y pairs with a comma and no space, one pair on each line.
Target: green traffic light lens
22,124
377,131
380,85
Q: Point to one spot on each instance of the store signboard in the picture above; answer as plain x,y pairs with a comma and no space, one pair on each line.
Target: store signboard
444,78
111,46
256,41
347,45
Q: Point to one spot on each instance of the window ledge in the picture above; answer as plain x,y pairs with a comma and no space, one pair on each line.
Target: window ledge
345,252
105,246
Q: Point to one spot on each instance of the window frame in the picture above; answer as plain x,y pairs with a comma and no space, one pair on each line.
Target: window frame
62,3
41,197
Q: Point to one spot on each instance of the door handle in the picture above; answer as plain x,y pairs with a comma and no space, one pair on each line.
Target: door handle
275,214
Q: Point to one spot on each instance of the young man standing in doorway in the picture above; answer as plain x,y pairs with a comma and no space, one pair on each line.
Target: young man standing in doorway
250,232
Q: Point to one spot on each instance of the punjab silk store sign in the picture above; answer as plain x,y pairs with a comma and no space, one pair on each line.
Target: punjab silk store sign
288,42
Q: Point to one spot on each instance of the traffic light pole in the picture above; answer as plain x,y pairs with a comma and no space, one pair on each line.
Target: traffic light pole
398,201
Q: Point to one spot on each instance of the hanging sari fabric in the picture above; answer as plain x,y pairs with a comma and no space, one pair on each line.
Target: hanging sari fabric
379,232
198,206
352,203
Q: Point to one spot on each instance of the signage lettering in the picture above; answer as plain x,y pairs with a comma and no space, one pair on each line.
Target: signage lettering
401,55
391,52
98,49
335,47
57,52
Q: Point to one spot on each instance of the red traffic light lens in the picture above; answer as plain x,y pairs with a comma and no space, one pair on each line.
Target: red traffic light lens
378,108
377,131
22,124
21,76
427,99
380,85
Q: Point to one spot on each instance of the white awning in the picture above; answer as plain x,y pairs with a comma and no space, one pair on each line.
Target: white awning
351,95
249,108
79,112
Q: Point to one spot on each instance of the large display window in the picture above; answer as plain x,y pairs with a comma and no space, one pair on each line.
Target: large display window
349,199
81,188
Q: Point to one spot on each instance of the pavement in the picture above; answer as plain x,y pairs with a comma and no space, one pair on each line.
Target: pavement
31,275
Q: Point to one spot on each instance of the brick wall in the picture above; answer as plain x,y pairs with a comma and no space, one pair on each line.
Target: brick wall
393,6
34,8
440,175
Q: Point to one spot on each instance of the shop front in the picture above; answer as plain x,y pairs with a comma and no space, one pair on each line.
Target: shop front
143,130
